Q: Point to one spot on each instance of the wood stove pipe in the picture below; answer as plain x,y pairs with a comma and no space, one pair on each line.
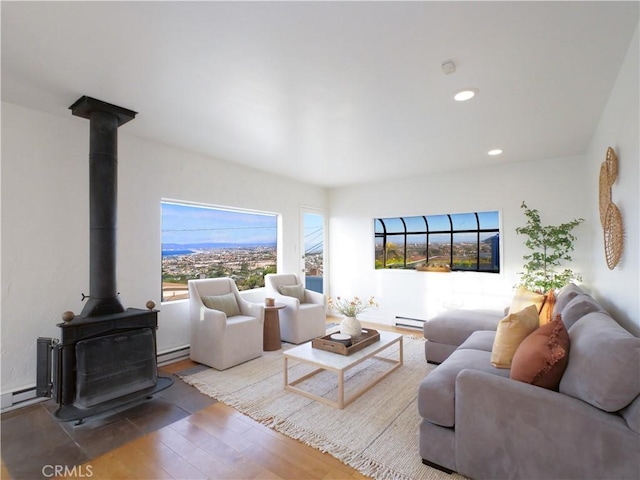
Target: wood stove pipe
104,121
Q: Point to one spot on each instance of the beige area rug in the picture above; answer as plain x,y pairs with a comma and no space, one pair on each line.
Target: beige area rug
377,434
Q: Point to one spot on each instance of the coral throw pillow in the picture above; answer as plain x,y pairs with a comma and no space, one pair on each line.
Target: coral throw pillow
512,330
546,313
542,357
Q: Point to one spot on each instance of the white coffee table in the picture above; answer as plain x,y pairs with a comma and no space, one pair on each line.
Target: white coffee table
335,362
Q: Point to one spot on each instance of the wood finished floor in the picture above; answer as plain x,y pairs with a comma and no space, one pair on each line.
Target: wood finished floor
214,442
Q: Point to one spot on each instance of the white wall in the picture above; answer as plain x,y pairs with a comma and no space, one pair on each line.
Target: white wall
555,187
45,225
619,127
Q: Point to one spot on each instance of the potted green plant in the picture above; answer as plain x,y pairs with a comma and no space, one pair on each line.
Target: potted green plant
550,246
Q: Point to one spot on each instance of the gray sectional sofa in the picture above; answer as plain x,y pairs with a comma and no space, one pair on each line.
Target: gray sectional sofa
479,422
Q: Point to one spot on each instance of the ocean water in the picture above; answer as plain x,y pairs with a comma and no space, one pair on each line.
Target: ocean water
173,253
172,250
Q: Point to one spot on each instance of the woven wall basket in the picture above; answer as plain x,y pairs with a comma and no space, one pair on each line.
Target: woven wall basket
604,191
613,235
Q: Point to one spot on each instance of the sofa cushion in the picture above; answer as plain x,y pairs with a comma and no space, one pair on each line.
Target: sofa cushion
564,296
542,357
604,363
226,303
436,393
578,307
295,291
512,330
523,298
453,327
480,340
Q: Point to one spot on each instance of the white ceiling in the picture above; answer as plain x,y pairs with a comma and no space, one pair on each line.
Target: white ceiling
332,93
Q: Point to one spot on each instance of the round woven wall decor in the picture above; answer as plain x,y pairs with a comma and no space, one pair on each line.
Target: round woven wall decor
604,191
612,165
613,239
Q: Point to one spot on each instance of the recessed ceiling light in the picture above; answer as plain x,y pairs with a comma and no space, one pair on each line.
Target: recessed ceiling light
466,94
495,151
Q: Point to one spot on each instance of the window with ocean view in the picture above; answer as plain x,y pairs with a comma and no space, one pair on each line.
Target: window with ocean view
200,241
461,241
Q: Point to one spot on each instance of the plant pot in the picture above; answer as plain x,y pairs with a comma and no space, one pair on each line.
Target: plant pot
351,326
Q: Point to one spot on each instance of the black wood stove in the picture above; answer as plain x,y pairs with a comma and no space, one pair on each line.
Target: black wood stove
106,356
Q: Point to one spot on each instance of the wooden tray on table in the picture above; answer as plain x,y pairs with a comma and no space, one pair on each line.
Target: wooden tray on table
368,337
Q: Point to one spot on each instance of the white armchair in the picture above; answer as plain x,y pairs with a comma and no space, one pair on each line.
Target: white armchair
304,316
226,330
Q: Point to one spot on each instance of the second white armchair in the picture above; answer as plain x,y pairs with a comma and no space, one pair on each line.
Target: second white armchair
304,316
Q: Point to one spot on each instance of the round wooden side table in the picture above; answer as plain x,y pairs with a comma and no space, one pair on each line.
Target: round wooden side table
271,340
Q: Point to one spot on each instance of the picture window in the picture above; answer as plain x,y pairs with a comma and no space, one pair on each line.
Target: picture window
461,241
204,241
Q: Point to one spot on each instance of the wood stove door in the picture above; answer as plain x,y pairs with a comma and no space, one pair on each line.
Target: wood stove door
115,365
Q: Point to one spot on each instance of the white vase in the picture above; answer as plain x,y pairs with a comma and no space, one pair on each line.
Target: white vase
351,326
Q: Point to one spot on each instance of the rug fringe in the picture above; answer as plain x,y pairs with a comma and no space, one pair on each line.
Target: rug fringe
354,459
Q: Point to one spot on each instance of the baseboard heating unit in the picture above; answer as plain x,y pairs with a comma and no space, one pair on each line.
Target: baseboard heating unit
408,322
